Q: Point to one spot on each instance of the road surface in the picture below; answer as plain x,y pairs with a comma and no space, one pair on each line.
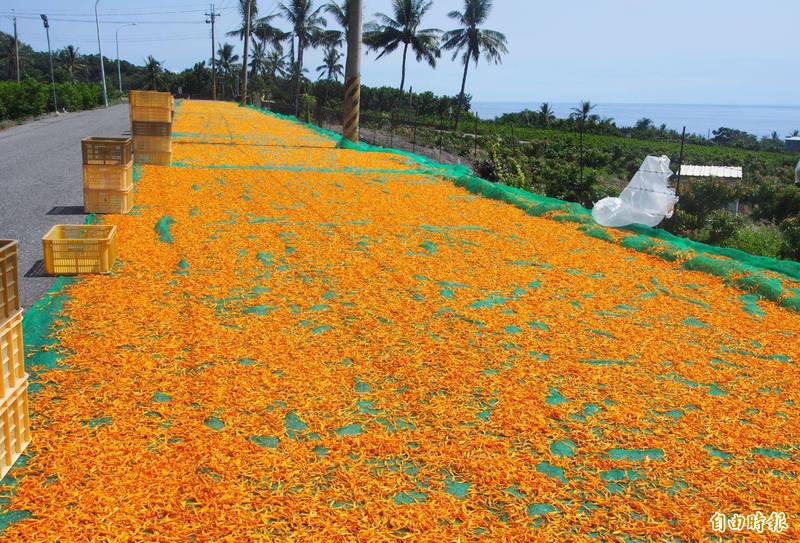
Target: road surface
41,183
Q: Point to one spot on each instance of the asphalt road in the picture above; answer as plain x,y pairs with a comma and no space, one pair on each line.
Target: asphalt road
41,183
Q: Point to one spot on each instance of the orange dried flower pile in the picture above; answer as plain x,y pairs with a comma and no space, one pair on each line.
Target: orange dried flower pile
305,343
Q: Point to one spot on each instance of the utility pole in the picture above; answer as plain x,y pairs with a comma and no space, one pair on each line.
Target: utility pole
119,71
244,54
211,17
100,50
581,152
352,78
16,43
50,52
680,163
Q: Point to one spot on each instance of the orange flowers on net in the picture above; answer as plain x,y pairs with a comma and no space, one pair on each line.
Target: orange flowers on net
307,343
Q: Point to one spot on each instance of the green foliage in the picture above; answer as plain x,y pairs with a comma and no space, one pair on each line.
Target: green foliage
791,233
20,100
734,138
308,103
499,163
722,225
31,98
762,240
774,201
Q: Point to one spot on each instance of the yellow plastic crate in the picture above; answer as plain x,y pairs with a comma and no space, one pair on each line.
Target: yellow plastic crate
12,360
160,158
152,144
151,114
70,249
15,426
115,202
106,151
150,99
98,177
9,279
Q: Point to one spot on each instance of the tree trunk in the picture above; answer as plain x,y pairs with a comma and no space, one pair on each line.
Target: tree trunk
244,55
463,85
297,76
403,76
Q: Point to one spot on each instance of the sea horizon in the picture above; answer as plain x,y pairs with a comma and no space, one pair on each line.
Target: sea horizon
701,119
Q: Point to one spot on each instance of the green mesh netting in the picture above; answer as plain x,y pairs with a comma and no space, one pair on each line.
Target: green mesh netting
754,274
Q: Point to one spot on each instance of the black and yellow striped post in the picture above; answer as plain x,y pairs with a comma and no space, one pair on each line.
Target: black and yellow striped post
352,85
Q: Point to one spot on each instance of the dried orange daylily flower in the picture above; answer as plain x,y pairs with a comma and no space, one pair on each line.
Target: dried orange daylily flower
337,347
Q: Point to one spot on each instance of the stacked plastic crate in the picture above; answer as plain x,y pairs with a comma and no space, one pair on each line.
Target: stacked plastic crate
15,426
151,125
107,175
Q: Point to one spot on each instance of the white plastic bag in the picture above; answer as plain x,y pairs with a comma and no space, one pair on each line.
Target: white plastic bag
646,200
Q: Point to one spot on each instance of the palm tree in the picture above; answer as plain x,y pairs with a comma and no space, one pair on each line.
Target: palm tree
259,58
307,27
260,27
795,134
546,115
275,65
255,26
388,33
583,111
226,61
473,40
331,67
152,69
340,11
72,61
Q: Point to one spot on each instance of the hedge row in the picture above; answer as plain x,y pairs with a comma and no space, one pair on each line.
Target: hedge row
30,98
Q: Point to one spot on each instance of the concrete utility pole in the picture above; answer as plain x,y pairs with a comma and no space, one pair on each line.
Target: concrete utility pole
212,16
244,55
50,53
16,44
352,77
100,49
119,71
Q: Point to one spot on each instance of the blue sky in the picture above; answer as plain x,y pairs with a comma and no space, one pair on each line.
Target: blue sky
645,51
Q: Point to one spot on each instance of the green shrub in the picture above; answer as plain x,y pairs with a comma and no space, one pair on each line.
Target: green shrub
31,98
308,103
25,99
499,163
721,226
758,240
791,233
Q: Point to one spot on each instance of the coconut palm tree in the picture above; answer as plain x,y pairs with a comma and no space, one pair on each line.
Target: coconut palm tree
152,69
259,27
387,33
331,68
340,11
258,59
226,62
473,40
546,115
72,61
583,112
275,65
307,26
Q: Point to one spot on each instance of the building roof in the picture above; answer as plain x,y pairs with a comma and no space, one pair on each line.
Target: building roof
793,138
690,170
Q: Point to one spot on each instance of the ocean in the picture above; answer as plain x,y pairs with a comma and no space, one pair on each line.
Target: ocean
698,119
